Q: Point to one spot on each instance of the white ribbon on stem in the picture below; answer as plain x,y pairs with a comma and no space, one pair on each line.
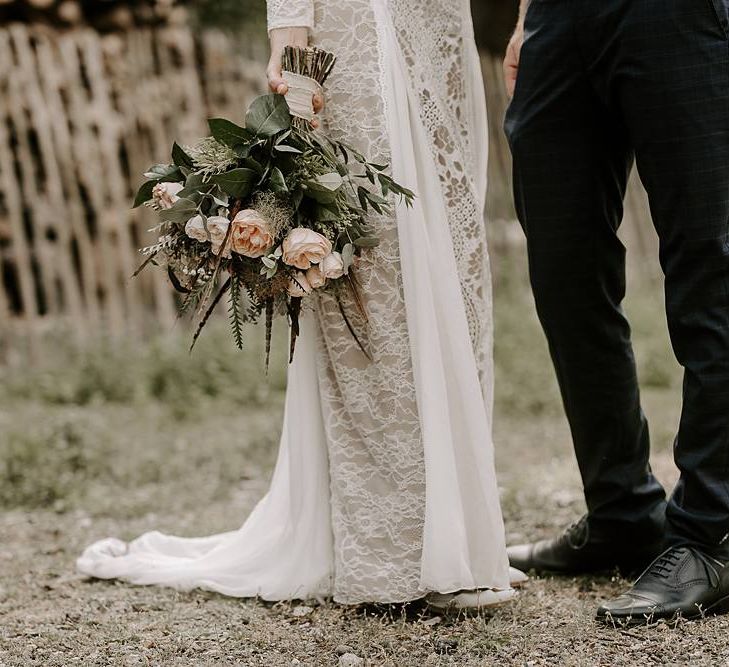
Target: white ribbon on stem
300,97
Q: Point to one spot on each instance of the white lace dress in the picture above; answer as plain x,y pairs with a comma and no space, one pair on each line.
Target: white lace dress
385,487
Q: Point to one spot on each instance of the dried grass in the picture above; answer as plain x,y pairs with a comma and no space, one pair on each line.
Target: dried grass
145,468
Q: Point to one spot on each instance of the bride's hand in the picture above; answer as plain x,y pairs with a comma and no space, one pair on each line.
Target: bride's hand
280,38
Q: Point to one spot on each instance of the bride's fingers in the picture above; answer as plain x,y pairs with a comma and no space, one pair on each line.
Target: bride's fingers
318,103
276,82
278,86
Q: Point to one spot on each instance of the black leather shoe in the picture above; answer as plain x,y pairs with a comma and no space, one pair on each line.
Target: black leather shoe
577,551
681,582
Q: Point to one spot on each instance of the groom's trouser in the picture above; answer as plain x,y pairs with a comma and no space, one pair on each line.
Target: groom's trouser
601,83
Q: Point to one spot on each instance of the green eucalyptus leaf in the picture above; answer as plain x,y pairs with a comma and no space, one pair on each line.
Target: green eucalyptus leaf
277,181
367,242
237,183
243,150
376,199
282,137
180,158
324,188
384,184
332,181
182,210
250,163
284,148
362,195
194,184
191,193
166,172
228,133
325,213
268,115
144,194
194,181
319,193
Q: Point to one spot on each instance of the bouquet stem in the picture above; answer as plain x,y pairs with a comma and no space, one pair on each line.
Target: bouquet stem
311,63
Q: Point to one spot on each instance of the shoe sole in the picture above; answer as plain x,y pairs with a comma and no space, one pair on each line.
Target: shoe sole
717,609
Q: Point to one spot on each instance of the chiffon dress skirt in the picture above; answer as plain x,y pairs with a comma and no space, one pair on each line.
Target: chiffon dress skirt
385,488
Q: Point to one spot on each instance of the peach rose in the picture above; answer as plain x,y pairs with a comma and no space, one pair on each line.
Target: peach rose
332,266
316,277
251,235
165,194
218,228
303,247
299,286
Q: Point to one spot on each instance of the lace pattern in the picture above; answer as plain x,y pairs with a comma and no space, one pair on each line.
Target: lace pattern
370,410
439,57
290,14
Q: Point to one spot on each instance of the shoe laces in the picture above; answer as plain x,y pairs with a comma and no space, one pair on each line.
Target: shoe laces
667,562
578,533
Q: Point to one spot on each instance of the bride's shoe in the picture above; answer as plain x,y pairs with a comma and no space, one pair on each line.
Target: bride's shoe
469,600
517,577
478,599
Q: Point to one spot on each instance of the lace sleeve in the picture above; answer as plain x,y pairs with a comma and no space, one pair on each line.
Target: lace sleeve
290,14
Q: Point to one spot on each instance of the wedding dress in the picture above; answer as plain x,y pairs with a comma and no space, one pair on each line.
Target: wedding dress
385,488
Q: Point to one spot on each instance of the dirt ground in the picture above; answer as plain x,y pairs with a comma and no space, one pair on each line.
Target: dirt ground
52,617
82,457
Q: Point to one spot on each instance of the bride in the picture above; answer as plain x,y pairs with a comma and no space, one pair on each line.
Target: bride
385,489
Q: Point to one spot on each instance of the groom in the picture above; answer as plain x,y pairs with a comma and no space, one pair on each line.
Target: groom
602,83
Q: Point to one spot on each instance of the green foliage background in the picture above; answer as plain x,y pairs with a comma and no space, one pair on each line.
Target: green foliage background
244,16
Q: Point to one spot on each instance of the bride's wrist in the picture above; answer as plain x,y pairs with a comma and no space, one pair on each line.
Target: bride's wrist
282,37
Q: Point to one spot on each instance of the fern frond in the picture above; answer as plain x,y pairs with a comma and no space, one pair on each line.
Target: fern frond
192,300
269,329
253,305
209,312
234,311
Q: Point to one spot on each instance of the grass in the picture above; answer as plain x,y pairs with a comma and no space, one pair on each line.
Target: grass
123,438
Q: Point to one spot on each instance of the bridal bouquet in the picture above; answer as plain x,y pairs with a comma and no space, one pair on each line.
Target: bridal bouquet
266,213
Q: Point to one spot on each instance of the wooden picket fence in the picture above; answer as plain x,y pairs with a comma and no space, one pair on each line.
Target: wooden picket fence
81,116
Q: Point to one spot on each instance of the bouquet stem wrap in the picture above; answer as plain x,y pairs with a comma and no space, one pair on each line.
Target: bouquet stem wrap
301,93
305,70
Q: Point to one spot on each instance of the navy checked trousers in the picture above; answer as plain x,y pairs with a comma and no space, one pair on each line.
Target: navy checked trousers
603,84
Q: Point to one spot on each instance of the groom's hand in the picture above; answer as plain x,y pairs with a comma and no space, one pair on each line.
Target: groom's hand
511,59
280,38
